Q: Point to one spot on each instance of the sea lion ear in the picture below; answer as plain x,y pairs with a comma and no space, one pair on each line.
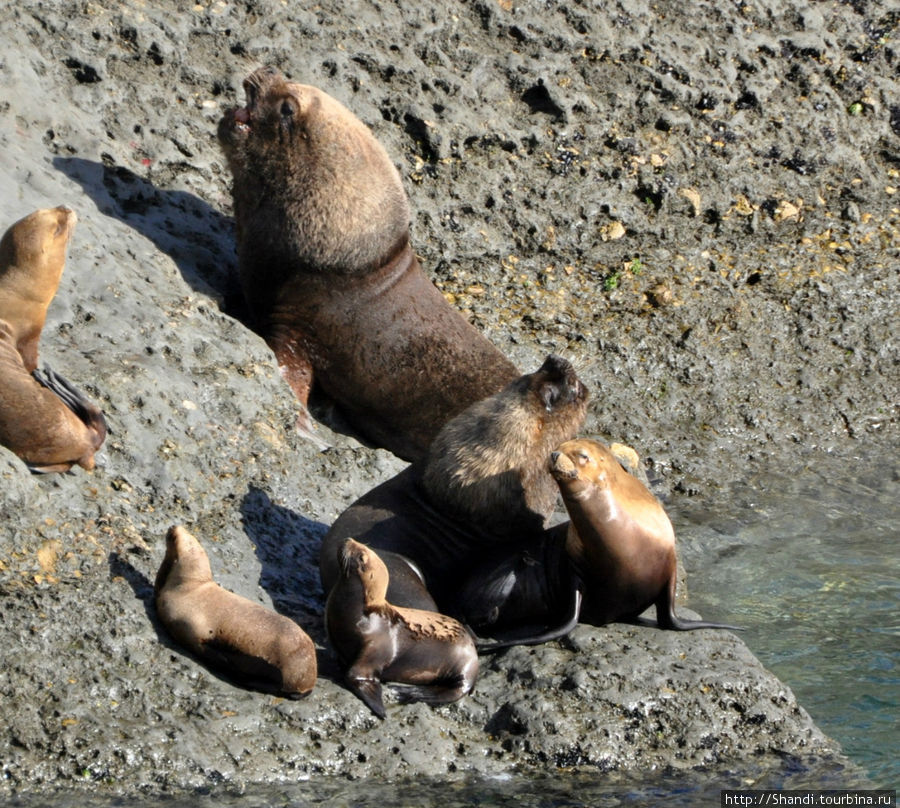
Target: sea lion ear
549,395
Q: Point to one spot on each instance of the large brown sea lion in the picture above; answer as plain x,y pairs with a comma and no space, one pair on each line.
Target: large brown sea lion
465,532
44,419
329,275
248,642
620,540
378,642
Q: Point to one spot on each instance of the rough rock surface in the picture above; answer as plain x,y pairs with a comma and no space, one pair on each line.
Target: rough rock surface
696,202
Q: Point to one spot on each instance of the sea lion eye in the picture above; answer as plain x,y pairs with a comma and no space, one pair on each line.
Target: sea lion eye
583,457
287,109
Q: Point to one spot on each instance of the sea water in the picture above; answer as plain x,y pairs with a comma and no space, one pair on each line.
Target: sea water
810,564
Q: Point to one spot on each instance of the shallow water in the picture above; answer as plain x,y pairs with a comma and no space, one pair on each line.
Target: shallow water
810,564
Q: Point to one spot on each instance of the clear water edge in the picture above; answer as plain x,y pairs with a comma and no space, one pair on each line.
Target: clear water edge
811,566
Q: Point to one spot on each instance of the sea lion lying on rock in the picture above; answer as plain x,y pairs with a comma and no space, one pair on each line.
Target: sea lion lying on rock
44,419
248,642
378,642
329,275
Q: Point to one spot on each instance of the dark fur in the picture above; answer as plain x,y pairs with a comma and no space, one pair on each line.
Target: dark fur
375,641
330,277
472,516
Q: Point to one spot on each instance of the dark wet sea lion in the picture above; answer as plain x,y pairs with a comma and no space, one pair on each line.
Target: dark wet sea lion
465,532
378,642
330,277
620,540
248,642
44,419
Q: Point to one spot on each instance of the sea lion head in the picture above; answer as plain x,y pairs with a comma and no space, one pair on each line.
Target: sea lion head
32,257
488,464
356,560
310,179
582,465
557,387
186,560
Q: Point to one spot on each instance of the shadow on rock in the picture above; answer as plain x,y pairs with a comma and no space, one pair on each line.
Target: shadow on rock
198,238
287,546
143,591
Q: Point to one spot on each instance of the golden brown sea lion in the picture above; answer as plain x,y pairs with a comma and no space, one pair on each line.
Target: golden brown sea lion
465,531
377,642
620,540
329,275
44,419
252,644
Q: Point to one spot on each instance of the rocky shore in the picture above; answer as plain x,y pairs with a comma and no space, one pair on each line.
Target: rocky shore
697,204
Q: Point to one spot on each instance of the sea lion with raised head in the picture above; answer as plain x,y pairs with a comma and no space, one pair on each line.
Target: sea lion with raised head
430,653
465,531
329,275
251,644
620,540
44,419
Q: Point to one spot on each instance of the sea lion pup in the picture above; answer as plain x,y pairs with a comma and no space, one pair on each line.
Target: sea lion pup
620,539
256,646
464,532
44,419
377,642
330,278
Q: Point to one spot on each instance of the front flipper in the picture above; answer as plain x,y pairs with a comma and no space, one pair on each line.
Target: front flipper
488,646
297,370
48,469
368,688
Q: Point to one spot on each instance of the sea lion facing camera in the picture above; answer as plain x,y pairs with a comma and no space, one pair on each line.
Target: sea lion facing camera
44,419
254,645
329,275
377,641
465,531
620,540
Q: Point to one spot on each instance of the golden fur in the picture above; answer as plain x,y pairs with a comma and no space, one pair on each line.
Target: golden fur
243,638
43,419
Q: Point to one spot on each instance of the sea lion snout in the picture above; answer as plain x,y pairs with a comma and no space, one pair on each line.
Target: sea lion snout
561,384
561,466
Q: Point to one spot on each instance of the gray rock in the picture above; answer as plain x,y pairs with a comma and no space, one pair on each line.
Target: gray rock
520,132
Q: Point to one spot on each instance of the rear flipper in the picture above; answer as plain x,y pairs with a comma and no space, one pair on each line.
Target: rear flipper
675,623
74,399
667,619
